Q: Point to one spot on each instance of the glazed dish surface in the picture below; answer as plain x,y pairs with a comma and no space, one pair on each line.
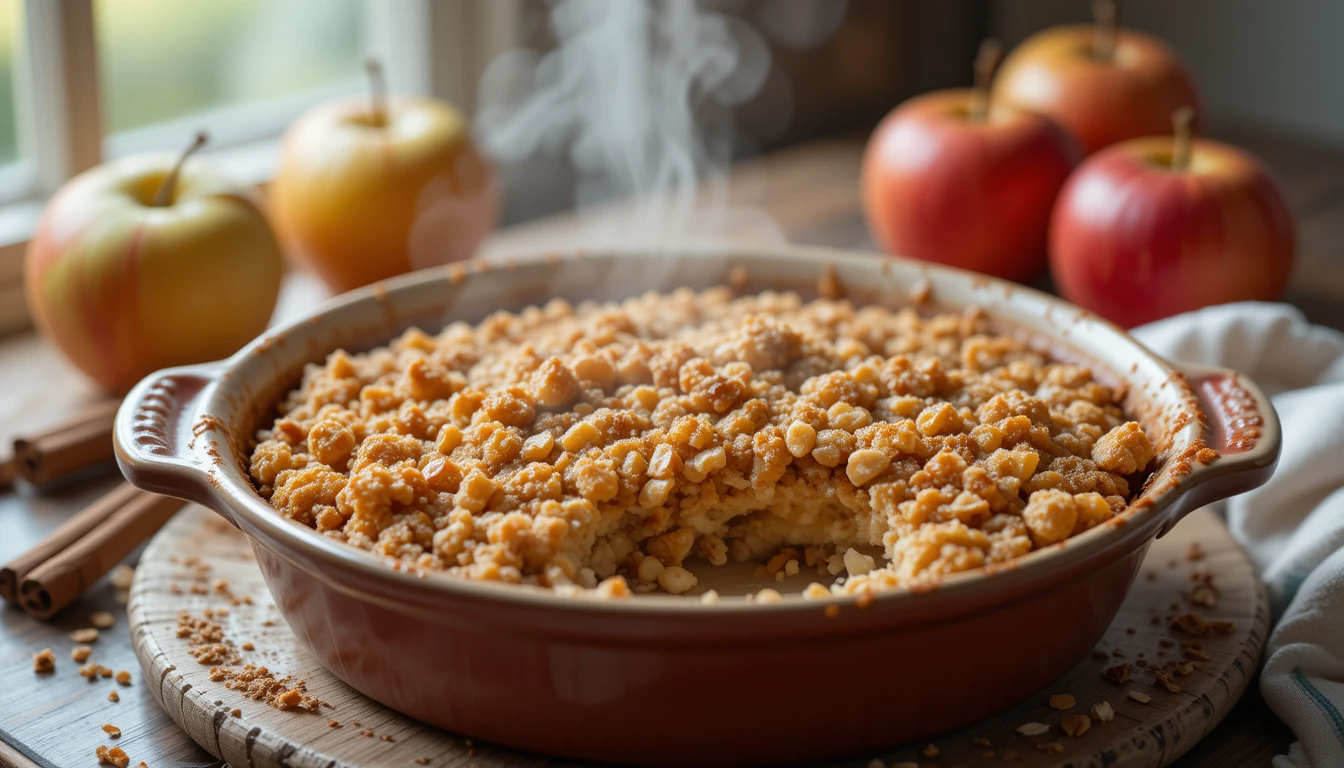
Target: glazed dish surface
603,448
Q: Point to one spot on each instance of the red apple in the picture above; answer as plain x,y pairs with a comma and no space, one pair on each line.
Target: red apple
368,189
1153,227
140,264
951,178
1102,83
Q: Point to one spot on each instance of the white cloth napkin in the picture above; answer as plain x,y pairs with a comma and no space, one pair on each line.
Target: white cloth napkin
1292,527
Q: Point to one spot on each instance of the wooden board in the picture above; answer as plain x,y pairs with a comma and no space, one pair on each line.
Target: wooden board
1141,735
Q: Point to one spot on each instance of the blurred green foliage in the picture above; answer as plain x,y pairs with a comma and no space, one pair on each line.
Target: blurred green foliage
164,59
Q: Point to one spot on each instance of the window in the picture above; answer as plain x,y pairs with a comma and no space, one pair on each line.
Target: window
11,22
240,69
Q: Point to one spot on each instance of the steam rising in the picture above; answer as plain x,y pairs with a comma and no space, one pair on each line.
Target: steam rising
640,94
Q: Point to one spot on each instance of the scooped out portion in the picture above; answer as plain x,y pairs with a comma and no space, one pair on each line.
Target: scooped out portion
601,449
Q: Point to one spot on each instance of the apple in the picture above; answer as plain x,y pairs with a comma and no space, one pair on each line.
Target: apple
1102,83
952,178
371,188
1152,227
149,262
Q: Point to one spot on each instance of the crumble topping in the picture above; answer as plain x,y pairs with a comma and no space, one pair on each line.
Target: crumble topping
592,447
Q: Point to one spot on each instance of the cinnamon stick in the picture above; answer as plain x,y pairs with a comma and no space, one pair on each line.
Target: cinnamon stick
80,442
64,576
11,576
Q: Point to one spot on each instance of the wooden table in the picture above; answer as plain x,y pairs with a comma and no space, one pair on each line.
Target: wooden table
807,194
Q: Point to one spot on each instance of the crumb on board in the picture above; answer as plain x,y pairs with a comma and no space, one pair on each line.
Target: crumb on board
1119,674
422,761
248,647
124,677
1062,701
80,653
333,724
1051,747
236,712
44,661
112,730
113,697
1142,698
367,733
102,619
112,756
122,576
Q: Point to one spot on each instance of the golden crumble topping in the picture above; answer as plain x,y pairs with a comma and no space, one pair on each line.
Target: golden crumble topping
581,447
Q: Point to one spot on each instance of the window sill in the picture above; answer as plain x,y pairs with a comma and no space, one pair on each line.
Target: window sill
252,164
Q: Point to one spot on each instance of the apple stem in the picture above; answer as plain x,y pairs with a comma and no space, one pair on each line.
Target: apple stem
1182,122
165,194
1107,17
991,53
377,90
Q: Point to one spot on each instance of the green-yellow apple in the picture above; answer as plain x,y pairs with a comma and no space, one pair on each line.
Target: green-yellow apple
371,188
1104,84
1152,227
951,178
141,264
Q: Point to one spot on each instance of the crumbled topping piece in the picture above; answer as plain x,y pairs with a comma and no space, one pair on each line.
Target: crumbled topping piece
102,619
112,756
44,661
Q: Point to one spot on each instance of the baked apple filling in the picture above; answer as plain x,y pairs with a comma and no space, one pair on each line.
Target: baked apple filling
629,446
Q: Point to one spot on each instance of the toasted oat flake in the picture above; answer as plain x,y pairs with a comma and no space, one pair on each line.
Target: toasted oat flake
536,446
1033,729
1103,712
87,635
1142,698
1062,701
1075,725
102,619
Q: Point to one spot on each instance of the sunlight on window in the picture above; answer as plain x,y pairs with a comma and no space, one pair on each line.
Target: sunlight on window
11,21
165,59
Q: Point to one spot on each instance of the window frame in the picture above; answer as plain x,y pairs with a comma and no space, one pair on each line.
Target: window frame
427,48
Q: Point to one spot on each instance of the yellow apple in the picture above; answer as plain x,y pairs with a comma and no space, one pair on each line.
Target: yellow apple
139,264
367,190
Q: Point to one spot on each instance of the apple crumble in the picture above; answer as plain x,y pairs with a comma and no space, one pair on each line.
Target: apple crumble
621,446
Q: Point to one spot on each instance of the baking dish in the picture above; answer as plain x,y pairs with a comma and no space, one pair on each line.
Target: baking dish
662,680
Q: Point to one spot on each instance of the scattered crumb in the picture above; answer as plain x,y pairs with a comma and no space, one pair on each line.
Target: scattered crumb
122,576
1142,698
981,742
367,732
1151,576
876,763
334,724
236,712
1164,680
104,672
80,653
1166,642
1103,712
828,285
44,661
124,677
1119,674
249,647
387,737
113,697
422,761
921,291
832,611
113,756
1117,653
1195,552
1196,653
1062,701
1184,668
929,750
1222,627
738,277
1051,747
1033,729
102,619
1141,663
87,635
112,730
1075,725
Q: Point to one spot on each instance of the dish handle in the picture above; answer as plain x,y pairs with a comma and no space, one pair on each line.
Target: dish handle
1243,428
156,427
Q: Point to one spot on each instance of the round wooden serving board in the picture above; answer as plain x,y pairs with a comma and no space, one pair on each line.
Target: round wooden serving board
181,569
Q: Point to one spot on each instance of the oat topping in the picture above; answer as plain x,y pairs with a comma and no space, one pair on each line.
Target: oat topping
605,448
44,661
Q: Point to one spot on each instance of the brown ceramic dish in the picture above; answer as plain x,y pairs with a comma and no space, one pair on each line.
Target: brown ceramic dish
662,680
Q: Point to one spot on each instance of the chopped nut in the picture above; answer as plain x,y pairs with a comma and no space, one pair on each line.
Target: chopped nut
1062,701
88,635
44,661
1142,698
1119,674
1103,712
102,619
1033,729
1075,725
1191,624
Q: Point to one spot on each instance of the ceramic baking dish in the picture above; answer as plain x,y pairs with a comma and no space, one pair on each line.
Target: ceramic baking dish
663,680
